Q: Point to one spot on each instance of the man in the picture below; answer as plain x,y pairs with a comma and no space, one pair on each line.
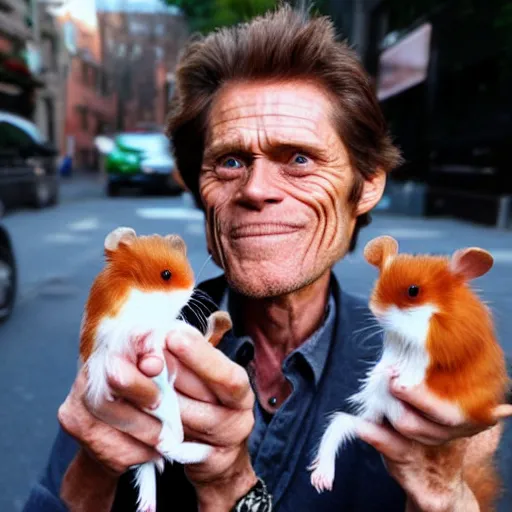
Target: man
280,138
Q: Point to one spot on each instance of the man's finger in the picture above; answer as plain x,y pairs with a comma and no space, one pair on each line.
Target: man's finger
226,379
151,365
385,440
413,425
127,418
132,385
188,383
214,424
421,398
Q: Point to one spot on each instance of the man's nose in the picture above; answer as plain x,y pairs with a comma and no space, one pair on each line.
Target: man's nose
260,187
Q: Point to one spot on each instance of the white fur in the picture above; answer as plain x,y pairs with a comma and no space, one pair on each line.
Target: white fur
143,312
405,335
145,482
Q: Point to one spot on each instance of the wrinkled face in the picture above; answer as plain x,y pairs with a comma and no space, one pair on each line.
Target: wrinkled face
275,182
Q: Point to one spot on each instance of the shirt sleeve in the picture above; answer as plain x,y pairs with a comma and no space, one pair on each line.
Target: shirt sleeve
44,495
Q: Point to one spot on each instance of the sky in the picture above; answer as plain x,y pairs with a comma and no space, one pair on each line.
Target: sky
85,10
132,5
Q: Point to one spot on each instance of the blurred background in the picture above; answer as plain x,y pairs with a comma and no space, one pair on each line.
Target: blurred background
84,89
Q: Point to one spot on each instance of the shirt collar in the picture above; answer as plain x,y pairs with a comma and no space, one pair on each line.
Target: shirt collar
313,351
316,348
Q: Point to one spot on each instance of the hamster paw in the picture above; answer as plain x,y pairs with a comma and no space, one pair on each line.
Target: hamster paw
322,477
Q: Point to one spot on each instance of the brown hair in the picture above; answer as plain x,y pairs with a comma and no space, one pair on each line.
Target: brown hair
283,44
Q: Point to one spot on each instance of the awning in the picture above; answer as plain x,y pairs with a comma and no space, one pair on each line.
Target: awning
14,70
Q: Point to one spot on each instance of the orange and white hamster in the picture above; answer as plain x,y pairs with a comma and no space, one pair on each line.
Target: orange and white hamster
142,289
436,331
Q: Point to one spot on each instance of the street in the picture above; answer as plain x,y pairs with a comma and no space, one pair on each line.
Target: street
59,252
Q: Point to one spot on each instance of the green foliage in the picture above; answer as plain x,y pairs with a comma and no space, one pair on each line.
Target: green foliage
206,15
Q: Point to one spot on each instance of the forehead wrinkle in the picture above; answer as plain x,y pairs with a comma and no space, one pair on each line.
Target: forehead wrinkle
267,137
240,103
260,117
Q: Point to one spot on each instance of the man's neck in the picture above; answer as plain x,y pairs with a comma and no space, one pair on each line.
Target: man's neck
281,324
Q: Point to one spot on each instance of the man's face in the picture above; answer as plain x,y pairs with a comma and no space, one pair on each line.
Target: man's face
275,182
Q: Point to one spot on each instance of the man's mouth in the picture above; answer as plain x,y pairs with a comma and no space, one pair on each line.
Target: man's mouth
263,229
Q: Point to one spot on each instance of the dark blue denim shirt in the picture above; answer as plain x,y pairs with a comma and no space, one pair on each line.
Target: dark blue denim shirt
275,445
323,372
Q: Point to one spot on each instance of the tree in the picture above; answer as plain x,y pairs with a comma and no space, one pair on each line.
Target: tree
206,15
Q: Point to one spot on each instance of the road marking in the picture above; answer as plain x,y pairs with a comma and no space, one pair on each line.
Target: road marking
66,238
501,255
195,228
412,234
170,213
87,224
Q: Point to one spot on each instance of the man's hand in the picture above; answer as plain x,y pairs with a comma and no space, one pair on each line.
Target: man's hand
216,402
113,437
431,478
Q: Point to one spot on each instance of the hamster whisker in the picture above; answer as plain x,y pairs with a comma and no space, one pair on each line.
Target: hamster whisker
197,311
371,335
203,267
204,296
199,318
363,329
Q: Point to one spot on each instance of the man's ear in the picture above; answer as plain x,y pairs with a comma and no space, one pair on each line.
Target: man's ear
373,188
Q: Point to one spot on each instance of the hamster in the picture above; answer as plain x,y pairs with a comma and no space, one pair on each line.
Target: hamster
142,289
436,331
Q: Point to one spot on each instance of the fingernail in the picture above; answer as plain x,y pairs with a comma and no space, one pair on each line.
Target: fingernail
155,405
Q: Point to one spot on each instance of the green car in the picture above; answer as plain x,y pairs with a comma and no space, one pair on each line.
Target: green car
143,160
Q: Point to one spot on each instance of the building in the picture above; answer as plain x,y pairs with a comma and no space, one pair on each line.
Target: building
90,98
51,60
442,74
141,43
18,85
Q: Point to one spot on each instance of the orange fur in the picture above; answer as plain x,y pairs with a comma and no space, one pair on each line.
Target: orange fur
467,365
139,265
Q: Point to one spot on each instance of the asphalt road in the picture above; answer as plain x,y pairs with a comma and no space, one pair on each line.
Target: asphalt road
59,252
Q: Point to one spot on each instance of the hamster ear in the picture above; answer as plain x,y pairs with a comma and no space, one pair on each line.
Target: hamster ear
379,250
119,236
177,243
471,263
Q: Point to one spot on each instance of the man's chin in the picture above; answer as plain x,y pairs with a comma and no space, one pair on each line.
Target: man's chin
259,285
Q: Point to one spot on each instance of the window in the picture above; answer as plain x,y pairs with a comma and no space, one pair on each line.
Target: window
138,27
85,73
84,118
160,29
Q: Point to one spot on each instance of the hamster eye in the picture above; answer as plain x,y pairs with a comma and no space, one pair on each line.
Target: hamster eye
413,290
166,275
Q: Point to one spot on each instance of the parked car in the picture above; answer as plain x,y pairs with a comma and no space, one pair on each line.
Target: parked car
8,275
28,173
143,160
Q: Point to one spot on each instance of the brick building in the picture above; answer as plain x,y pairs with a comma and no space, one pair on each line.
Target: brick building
141,46
90,98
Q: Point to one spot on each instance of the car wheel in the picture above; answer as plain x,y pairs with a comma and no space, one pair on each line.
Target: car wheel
7,283
112,189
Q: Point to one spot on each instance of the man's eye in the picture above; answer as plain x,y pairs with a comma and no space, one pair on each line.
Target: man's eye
300,159
231,163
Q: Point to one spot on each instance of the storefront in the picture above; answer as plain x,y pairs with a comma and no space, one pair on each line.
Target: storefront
17,86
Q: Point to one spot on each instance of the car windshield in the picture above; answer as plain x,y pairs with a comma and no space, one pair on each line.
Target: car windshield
144,141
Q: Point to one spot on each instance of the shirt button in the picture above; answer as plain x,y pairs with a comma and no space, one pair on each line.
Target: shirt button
272,401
